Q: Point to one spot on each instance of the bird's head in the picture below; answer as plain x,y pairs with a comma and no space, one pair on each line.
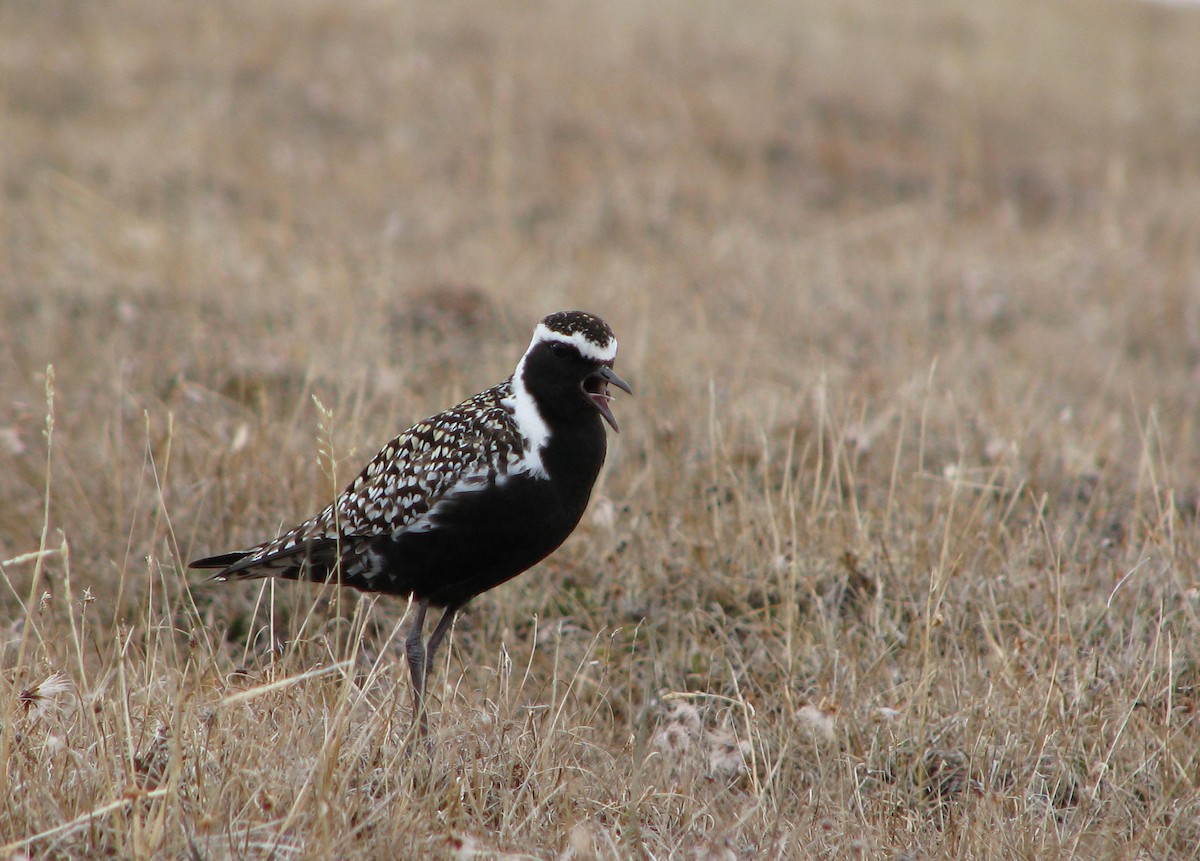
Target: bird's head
569,366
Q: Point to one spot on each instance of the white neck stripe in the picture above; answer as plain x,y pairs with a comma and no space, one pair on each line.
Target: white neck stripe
586,347
529,421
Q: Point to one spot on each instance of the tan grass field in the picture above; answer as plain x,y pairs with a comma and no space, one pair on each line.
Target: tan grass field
895,556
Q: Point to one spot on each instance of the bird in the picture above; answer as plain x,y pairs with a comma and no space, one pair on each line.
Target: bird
466,499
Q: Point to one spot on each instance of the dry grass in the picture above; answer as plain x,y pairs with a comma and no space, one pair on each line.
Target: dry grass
895,557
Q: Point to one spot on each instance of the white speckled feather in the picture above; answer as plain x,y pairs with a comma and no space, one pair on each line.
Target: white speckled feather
469,448
464,449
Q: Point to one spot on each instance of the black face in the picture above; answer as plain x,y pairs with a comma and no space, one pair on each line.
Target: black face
568,386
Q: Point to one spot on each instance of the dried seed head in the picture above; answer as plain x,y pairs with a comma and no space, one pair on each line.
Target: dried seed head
39,697
581,844
684,715
672,739
463,847
715,850
726,755
679,730
819,723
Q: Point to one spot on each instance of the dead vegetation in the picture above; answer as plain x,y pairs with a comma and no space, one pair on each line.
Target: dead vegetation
895,556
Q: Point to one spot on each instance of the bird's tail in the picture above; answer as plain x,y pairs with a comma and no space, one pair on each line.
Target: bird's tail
312,560
223,561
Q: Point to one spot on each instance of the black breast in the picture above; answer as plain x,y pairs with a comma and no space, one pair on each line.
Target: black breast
482,538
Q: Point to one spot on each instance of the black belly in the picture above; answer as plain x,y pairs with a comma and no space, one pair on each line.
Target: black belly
478,541
482,538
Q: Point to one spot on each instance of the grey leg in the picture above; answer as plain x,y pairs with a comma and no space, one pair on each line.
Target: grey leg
418,665
439,633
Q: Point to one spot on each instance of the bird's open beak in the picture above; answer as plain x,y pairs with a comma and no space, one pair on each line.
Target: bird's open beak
597,389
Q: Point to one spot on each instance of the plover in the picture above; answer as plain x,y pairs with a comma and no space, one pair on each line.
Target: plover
467,499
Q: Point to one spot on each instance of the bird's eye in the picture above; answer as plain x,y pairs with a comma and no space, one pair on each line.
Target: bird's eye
560,349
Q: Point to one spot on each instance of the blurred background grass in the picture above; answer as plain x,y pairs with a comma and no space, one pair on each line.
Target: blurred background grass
910,297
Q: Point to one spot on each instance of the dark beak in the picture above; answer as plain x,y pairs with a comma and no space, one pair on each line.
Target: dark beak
597,389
